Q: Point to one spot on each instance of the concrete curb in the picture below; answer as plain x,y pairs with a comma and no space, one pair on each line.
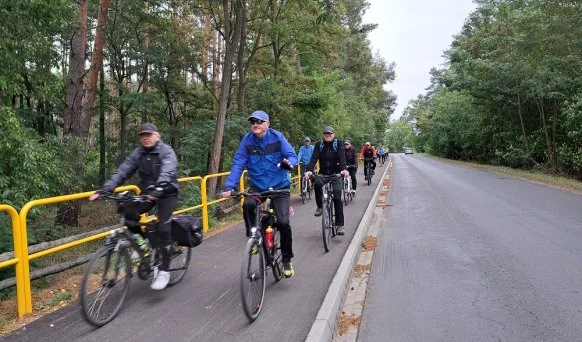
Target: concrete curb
323,329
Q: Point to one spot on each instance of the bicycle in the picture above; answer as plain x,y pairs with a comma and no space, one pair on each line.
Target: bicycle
306,189
368,172
262,252
108,275
328,225
347,194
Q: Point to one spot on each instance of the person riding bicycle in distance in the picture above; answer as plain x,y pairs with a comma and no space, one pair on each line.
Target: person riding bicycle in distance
369,152
157,167
305,153
332,160
268,158
352,163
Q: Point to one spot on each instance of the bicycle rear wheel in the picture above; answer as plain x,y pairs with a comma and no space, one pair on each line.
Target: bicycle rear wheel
179,262
326,227
252,281
105,285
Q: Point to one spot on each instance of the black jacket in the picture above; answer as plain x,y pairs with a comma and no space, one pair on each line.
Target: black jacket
157,166
331,160
352,157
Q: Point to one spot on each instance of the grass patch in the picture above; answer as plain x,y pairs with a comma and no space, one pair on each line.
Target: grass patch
370,243
345,322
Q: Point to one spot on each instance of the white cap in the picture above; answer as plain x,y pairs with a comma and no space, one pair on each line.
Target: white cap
368,143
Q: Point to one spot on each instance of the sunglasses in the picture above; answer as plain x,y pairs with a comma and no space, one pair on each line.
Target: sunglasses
256,121
327,133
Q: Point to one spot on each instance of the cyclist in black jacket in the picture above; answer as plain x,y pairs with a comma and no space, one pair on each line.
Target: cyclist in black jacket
332,160
352,163
157,167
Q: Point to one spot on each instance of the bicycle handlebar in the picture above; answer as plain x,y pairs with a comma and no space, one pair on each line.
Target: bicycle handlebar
124,197
260,194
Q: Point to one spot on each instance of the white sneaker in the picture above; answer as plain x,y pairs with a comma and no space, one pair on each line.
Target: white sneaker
161,280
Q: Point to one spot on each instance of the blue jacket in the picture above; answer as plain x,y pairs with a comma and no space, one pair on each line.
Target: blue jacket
305,153
260,157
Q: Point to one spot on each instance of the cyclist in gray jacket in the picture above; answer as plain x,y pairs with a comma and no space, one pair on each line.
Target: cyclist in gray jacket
157,167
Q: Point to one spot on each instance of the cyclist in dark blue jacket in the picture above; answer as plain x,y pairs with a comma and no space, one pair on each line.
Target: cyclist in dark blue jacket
268,157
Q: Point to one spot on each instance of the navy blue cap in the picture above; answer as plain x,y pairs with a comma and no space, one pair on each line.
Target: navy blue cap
147,128
259,115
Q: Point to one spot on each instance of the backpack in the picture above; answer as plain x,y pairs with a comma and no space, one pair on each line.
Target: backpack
334,145
368,153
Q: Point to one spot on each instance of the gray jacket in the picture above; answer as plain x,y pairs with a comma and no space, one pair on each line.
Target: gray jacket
157,166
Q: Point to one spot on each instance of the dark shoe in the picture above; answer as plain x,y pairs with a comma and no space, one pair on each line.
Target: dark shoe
288,270
340,230
318,212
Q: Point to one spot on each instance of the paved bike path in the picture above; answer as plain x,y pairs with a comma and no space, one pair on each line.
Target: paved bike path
206,304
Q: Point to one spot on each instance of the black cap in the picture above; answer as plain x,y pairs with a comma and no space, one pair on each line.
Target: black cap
147,128
328,129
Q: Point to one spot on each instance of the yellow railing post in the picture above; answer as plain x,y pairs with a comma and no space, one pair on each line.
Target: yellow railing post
17,242
203,190
300,181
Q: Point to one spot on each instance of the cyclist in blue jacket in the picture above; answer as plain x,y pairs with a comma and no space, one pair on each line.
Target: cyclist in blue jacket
268,158
305,153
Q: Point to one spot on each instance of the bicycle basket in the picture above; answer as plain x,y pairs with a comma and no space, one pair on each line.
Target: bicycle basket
187,230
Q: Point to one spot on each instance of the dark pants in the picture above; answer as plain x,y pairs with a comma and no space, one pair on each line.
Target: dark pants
281,205
353,176
372,165
163,231
337,184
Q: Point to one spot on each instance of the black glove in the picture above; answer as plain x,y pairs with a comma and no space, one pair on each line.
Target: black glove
155,192
285,165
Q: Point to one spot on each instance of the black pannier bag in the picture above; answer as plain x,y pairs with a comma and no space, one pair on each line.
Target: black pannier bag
187,230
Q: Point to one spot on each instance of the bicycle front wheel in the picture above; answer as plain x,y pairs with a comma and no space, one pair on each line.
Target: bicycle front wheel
252,280
276,256
105,285
345,193
179,262
326,227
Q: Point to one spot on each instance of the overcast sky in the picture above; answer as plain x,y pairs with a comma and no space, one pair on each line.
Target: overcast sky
414,34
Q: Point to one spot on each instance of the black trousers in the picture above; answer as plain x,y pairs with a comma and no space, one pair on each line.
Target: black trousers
281,205
337,184
353,176
166,206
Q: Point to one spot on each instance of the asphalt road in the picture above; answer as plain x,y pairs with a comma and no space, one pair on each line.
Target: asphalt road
470,255
206,305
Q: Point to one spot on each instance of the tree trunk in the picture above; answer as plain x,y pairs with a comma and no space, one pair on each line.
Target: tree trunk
522,122
68,212
205,52
549,150
102,108
96,62
240,99
231,44
74,101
